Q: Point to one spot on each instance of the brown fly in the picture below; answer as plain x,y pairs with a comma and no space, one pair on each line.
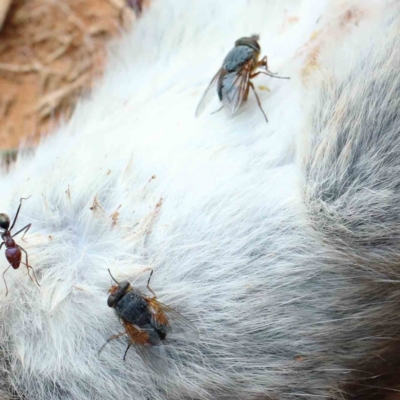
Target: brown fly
232,82
147,322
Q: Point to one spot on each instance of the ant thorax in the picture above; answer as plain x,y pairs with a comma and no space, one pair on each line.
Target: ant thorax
8,240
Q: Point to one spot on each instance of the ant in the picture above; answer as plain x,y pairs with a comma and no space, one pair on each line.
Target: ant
13,251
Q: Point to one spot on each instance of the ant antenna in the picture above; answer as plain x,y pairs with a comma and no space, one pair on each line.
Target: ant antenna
112,277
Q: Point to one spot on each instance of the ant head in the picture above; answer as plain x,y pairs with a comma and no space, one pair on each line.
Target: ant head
4,221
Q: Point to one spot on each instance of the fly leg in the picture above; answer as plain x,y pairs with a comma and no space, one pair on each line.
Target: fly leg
258,100
246,93
264,64
126,351
269,73
109,340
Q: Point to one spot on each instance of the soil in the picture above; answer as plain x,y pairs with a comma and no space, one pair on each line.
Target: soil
50,53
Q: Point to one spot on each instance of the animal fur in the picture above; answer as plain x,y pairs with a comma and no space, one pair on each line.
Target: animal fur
279,241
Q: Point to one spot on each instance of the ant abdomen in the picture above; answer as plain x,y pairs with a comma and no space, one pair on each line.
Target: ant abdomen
14,256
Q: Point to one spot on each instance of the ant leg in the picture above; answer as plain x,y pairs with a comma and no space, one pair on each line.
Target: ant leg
269,73
109,340
28,266
29,274
16,215
258,100
27,263
219,109
126,351
26,229
4,279
1,245
148,285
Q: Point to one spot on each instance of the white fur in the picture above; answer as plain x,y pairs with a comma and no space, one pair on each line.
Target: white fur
268,238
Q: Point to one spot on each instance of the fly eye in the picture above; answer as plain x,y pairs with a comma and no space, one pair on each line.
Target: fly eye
4,221
111,300
239,42
249,41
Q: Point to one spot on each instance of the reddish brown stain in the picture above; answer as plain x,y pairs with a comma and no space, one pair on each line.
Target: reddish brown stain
50,53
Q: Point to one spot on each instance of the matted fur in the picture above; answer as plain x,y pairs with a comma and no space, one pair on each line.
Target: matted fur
279,241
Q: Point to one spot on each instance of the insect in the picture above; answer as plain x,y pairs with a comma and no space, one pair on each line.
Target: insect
147,322
233,80
14,251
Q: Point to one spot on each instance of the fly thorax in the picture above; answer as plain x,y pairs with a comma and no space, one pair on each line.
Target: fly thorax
237,57
133,307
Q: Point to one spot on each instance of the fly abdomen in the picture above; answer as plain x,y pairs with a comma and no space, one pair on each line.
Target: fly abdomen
162,335
154,336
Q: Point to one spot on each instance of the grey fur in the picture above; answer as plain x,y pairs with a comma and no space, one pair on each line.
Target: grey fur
286,261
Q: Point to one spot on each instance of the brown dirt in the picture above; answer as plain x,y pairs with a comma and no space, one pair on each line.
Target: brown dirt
50,53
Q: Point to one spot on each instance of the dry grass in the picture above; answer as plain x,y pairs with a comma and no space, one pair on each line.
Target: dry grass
4,7
50,53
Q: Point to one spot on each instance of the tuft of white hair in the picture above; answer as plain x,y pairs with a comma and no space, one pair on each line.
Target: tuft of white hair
279,241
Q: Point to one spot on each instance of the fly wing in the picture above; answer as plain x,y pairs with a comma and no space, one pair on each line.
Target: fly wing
175,325
209,93
234,87
137,335
154,356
